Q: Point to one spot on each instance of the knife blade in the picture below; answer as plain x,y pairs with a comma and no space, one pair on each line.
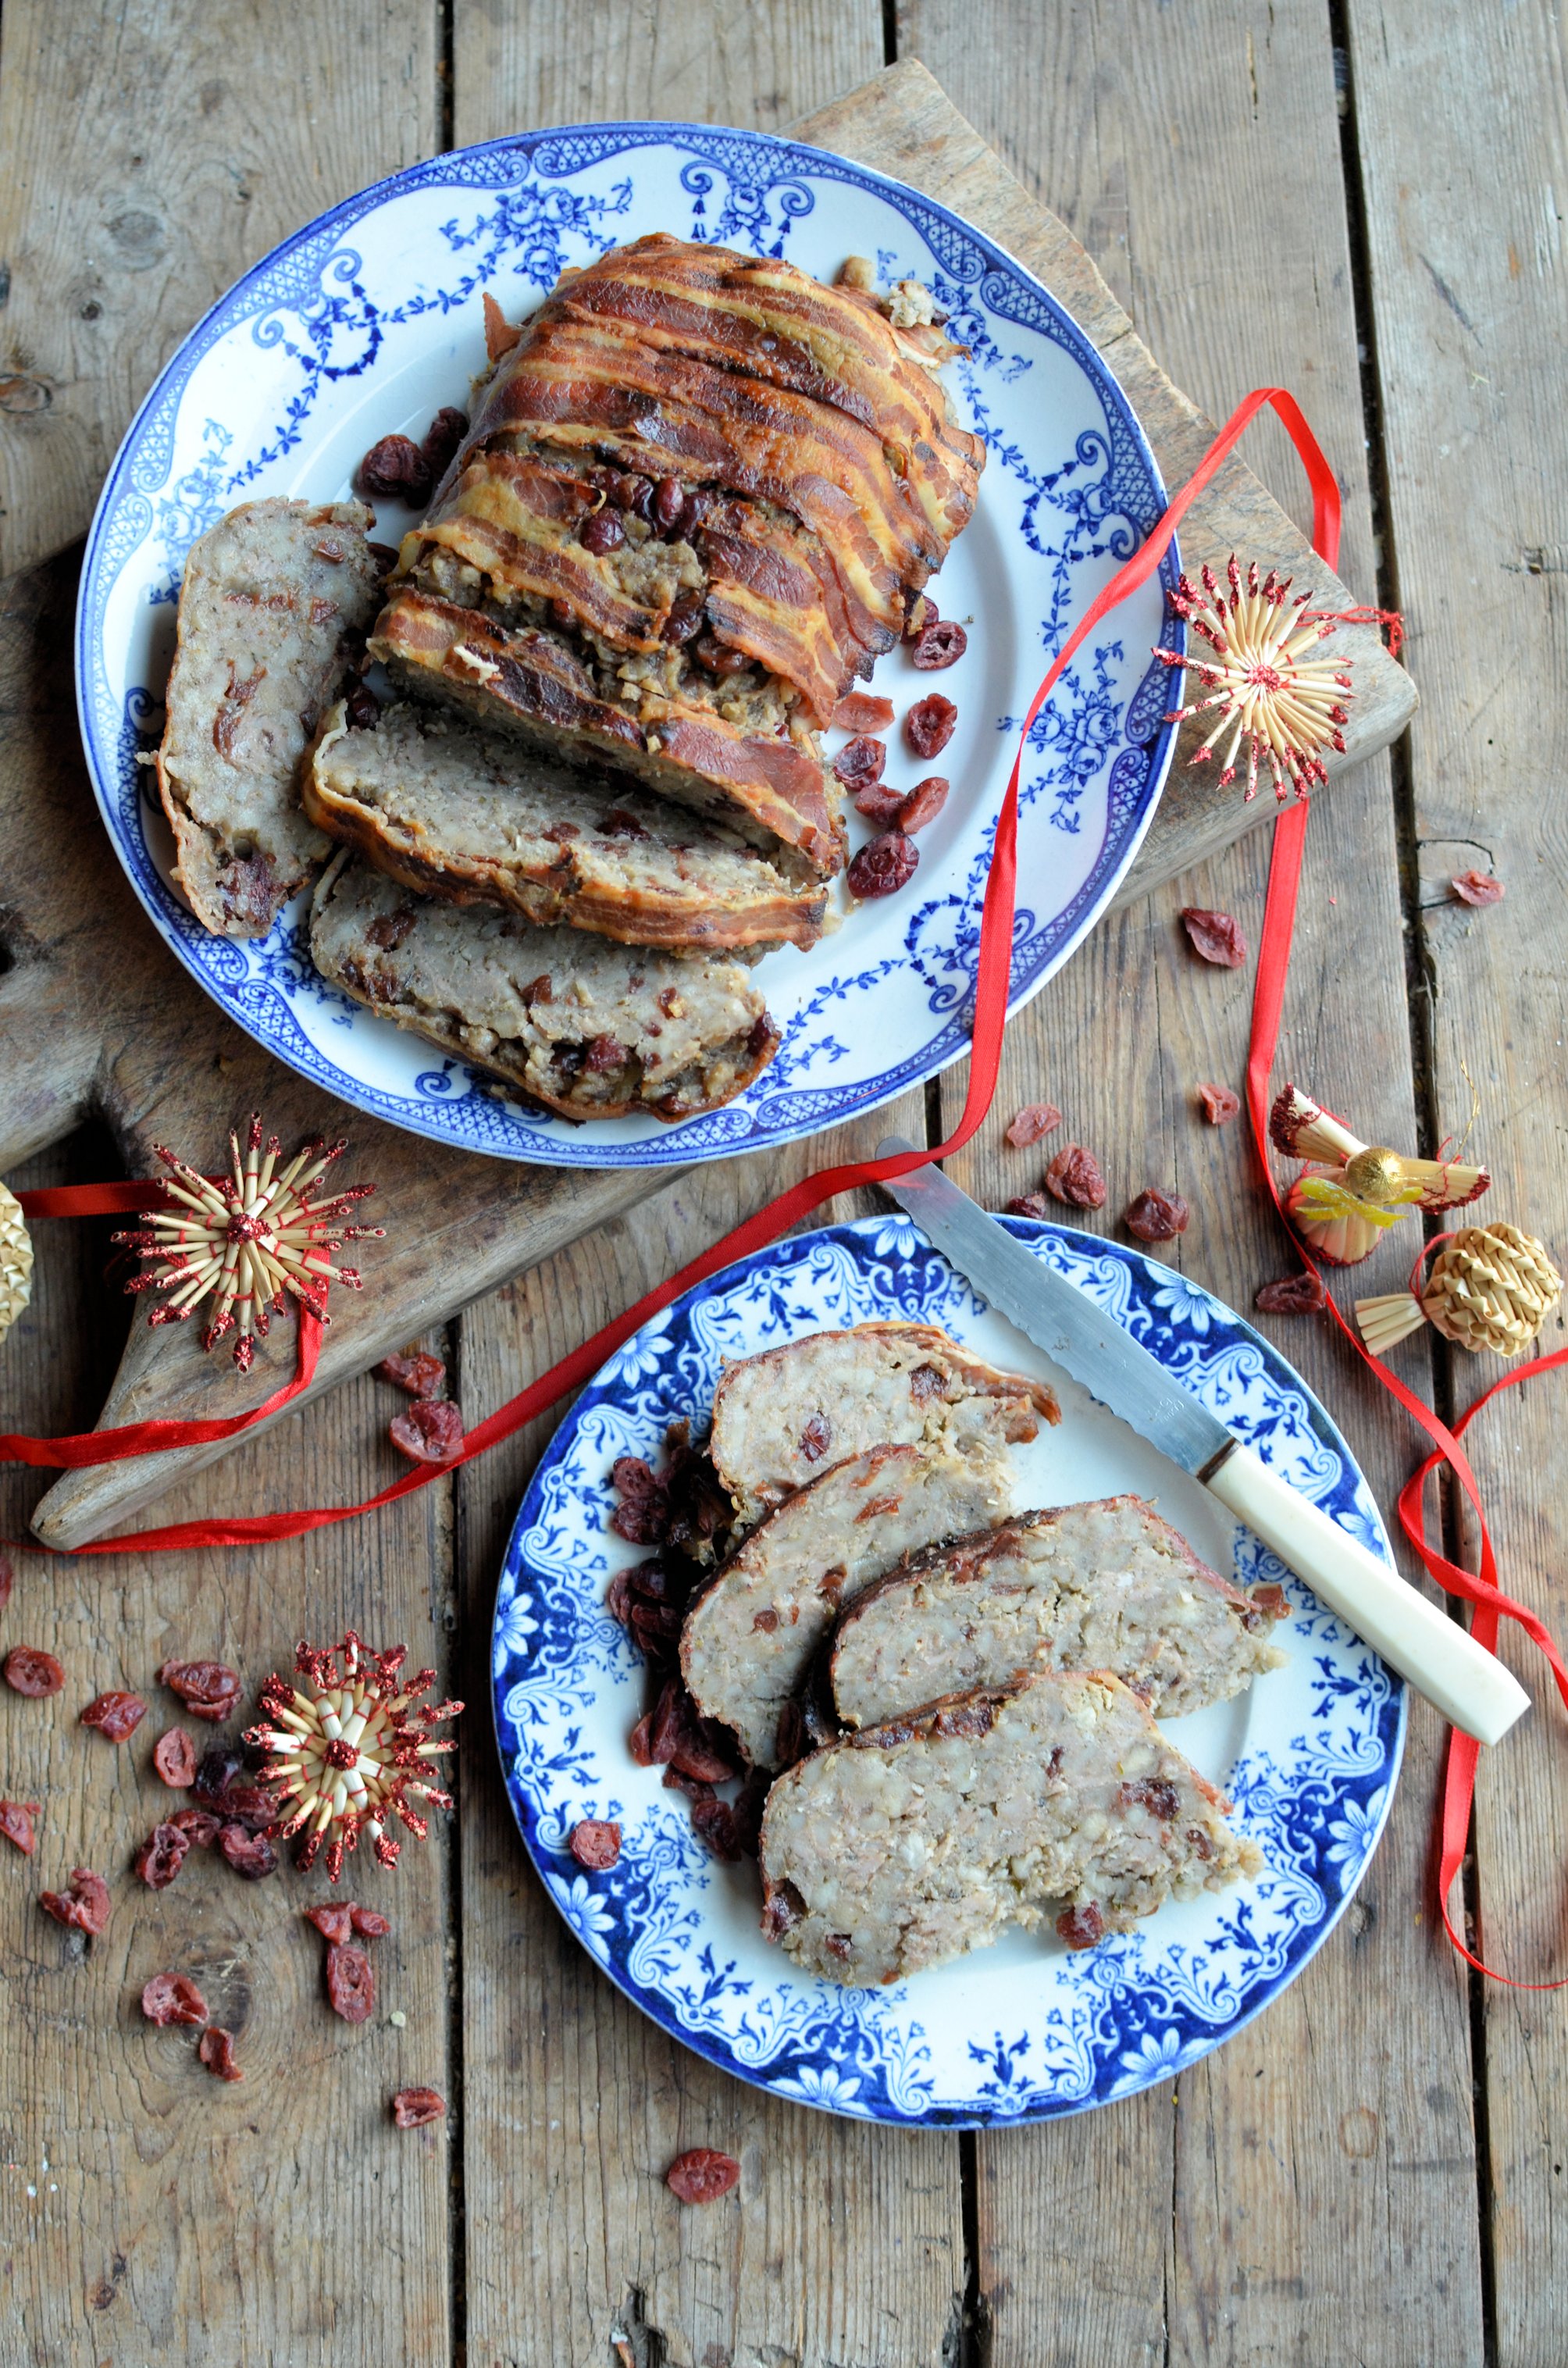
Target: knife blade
1436,1656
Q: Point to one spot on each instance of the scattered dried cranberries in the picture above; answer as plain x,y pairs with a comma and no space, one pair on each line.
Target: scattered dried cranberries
173,1757
350,1982
862,711
430,1431
595,1844
881,803
16,1825
1298,1295
1216,936
923,804
208,1688
412,2108
860,763
701,2176
249,1854
369,1922
1157,1215
1035,1120
200,1827
173,1997
928,726
395,470
86,1905
939,644
415,1371
162,1855
1073,1177
115,1715
216,2050
29,1671
1220,1104
1028,1204
443,436
883,866
1477,888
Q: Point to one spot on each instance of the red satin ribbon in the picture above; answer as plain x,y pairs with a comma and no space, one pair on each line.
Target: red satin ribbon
992,988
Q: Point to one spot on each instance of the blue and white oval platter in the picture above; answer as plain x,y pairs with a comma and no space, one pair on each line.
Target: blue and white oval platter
1024,2031
370,319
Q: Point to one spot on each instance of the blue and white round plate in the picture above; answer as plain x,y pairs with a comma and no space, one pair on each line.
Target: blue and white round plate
1027,2030
370,319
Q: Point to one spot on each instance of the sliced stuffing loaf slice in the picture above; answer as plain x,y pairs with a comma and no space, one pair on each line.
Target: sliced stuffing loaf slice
592,1028
274,604
780,1416
465,816
1103,1586
750,1636
917,1841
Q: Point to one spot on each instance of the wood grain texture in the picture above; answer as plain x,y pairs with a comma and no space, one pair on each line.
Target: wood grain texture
142,177
147,2210
1322,2162
1469,276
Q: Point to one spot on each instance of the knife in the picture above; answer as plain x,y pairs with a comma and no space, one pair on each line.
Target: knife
1440,1658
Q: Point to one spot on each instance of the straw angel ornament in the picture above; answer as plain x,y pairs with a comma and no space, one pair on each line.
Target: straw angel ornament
1345,1212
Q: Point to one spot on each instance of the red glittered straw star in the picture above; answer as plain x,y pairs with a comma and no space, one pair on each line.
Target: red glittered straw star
247,1239
1288,708
348,1750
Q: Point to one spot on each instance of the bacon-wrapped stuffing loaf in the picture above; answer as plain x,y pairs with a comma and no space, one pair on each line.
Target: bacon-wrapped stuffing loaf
700,495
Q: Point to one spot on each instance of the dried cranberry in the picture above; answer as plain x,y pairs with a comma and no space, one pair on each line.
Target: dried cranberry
1035,1120
601,532
249,1854
618,1597
655,1627
817,1438
395,470
1157,1215
1298,1295
926,1383
162,1855
719,658
369,1922
685,619
630,492
862,711
643,1520
860,763
680,1738
923,804
415,1371
1216,936
208,1688
332,1921
883,866
880,804
115,1715
86,1905
714,1821
928,726
215,2048
595,1843
639,1742
16,1825
350,1982
669,503
1220,1104
200,1827
701,2176
412,2109
443,436
431,1431
255,1806
220,1767
173,1997
1155,1793
1028,1204
362,706
939,644
1081,1927
605,1054
633,1475
1477,888
33,1673
1073,1177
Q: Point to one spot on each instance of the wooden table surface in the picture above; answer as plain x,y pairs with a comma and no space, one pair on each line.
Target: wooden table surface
1364,202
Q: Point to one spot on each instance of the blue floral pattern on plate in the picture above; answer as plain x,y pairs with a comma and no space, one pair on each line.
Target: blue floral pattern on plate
1026,2031
369,319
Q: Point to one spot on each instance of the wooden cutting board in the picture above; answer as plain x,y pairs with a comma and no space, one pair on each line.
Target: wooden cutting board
97,1018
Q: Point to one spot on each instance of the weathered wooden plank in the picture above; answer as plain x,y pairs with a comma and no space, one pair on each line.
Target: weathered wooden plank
145,2209
1468,309
1323,2161
144,169
847,2243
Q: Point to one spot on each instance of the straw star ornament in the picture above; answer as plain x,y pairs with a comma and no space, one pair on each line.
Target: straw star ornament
1260,683
248,1240
348,1749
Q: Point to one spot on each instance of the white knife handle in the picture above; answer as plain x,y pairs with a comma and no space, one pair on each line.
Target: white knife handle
1439,1657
